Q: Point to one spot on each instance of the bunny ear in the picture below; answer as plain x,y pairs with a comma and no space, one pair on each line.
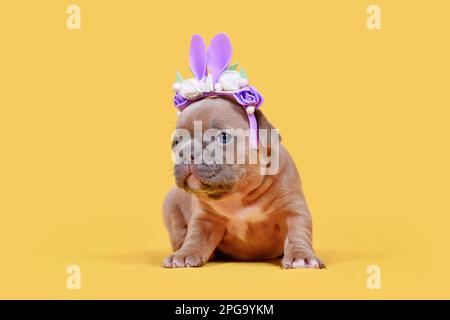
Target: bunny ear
219,55
197,57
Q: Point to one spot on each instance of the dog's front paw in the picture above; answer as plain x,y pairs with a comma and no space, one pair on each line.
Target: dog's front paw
300,261
184,259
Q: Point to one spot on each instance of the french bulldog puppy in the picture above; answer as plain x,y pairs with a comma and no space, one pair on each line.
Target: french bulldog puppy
233,209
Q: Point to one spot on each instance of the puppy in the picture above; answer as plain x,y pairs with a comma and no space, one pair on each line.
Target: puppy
232,209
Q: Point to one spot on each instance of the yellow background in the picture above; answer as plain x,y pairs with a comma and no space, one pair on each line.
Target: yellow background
86,118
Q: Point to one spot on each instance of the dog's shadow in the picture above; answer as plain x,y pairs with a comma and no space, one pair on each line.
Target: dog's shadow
330,257
149,257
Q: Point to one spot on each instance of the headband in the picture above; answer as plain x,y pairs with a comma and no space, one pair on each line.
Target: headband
213,76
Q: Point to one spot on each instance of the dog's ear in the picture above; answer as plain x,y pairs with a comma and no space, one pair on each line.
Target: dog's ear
263,123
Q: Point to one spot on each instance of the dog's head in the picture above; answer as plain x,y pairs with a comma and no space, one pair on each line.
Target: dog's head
211,147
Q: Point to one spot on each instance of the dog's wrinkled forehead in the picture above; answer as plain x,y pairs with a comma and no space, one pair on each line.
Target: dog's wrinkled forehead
218,113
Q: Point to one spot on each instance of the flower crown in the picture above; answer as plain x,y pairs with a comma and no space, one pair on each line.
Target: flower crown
213,76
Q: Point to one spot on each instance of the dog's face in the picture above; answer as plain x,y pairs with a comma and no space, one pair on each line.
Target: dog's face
210,165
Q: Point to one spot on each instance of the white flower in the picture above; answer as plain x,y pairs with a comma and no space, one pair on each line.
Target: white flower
207,84
176,87
230,80
190,88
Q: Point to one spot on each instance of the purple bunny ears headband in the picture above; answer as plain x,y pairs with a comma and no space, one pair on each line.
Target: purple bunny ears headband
221,80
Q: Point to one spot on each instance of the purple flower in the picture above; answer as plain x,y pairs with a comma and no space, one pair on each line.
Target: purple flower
179,101
249,96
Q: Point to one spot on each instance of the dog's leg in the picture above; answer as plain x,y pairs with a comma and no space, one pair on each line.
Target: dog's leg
176,227
202,238
298,251
176,214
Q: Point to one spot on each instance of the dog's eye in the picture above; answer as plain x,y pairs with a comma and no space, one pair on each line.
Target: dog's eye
176,141
223,137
